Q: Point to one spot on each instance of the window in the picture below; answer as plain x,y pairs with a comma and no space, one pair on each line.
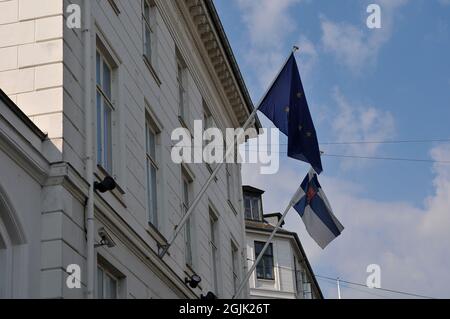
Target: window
233,185
107,284
214,251
188,236
105,109
235,265
208,123
298,278
230,181
252,205
208,120
307,292
148,18
151,135
182,90
264,270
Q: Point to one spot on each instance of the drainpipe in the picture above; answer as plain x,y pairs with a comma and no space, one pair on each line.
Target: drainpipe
89,160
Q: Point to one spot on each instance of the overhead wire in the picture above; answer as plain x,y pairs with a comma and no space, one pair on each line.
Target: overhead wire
348,283
380,289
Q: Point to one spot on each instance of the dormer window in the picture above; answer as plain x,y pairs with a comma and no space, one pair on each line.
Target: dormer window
253,203
253,209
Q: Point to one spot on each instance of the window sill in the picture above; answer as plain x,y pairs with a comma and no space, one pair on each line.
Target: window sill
189,270
185,126
114,6
266,280
118,192
253,220
157,236
232,207
152,70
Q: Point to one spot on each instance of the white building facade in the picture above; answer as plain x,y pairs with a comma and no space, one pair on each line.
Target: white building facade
103,101
284,271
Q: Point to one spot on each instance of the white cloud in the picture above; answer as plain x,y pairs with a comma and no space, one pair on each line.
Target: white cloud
354,123
308,56
269,24
356,46
348,43
267,20
410,243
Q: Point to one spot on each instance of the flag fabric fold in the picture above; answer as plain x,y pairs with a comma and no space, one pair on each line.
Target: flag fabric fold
315,211
286,106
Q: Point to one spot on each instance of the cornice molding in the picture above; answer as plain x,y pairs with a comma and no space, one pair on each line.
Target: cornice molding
212,42
217,57
22,152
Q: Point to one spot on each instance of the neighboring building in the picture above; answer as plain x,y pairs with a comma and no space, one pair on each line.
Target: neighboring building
23,172
284,272
110,94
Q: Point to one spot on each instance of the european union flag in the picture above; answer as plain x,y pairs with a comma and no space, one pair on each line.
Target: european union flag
286,106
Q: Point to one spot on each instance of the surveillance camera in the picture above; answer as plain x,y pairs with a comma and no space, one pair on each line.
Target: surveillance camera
209,296
194,281
108,184
106,239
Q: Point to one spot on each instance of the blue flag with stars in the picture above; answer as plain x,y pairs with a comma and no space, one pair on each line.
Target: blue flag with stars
286,106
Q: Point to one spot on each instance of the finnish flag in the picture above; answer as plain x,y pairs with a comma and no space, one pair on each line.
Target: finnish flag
316,213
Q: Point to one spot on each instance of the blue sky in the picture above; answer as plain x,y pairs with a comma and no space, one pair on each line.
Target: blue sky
385,84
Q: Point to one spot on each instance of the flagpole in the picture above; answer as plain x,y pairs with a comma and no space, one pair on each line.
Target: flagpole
294,200
338,282
178,228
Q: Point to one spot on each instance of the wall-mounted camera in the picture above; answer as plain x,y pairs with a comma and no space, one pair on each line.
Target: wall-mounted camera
108,184
193,281
105,239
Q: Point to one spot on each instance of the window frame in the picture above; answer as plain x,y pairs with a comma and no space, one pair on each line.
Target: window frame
298,278
213,243
235,266
147,25
231,170
208,122
306,285
187,182
230,181
263,261
104,102
105,274
251,199
152,162
208,118
183,106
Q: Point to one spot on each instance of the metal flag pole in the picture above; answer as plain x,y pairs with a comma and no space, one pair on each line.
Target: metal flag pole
338,282
184,219
294,200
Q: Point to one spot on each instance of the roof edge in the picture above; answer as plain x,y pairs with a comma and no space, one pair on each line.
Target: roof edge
21,115
231,57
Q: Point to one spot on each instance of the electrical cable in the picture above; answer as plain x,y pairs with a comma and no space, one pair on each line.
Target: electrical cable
381,289
357,284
